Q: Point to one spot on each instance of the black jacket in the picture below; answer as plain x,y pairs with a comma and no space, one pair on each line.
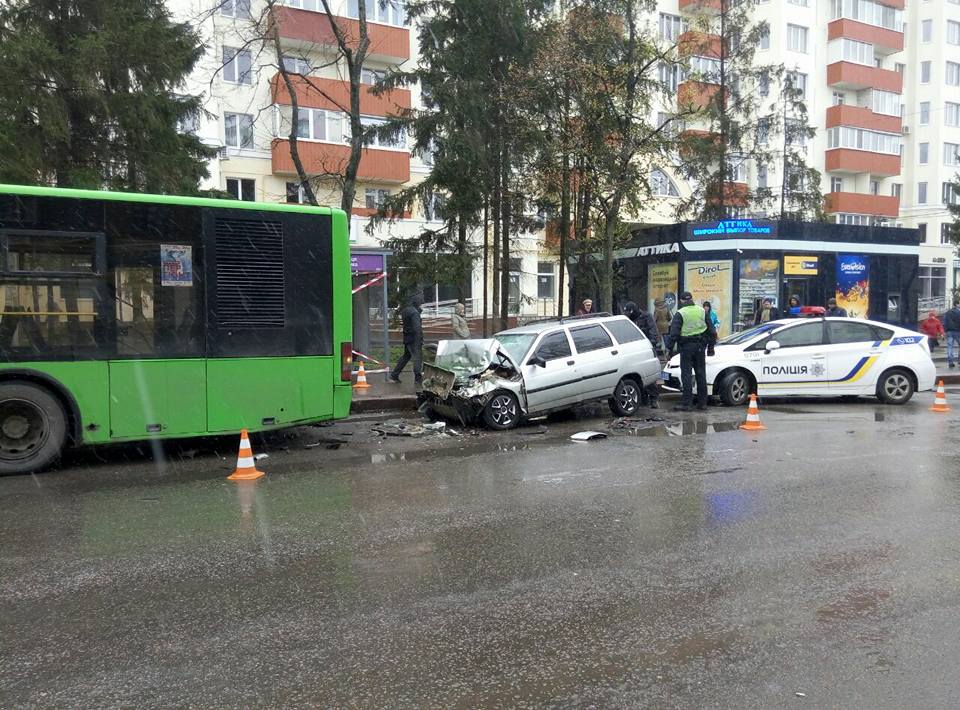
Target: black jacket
643,320
951,319
412,324
774,315
836,312
674,338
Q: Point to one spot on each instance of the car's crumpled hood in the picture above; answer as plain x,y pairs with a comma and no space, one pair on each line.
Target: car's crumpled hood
466,357
467,365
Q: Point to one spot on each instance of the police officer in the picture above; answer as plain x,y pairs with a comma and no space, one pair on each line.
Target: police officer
694,335
648,326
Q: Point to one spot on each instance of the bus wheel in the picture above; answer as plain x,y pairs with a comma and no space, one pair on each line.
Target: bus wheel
33,427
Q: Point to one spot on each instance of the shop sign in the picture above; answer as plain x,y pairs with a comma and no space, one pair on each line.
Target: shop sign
801,265
673,248
853,284
366,262
734,228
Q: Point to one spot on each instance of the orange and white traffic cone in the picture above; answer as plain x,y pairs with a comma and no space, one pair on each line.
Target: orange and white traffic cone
361,383
753,416
246,468
940,400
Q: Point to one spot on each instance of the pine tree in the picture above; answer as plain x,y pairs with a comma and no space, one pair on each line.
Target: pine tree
88,96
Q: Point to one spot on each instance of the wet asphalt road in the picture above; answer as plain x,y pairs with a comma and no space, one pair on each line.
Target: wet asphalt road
685,564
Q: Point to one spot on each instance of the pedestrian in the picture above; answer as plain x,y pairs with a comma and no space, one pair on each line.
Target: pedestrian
793,307
714,318
648,326
766,313
692,333
461,329
586,308
412,341
661,315
951,326
835,311
933,329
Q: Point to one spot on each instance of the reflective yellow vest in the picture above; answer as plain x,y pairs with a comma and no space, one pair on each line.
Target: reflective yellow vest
694,321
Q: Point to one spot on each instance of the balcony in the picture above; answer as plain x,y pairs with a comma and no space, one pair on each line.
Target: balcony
376,165
697,94
735,194
884,41
707,6
849,160
860,117
857,203
699,44
847,75
306,29
334,94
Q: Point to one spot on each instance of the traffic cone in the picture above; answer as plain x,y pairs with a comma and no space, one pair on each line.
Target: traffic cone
940,401
753,416
361,383
246,468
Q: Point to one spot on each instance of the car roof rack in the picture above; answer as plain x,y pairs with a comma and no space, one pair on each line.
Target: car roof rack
565,319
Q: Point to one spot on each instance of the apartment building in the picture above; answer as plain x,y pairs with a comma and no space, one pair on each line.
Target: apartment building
248,118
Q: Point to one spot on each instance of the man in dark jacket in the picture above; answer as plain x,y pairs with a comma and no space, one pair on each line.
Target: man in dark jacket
951,327
835,311
648,326
694,335
412,341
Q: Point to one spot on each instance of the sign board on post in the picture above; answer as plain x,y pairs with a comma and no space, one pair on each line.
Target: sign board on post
366,263
801,265
712,281
853,284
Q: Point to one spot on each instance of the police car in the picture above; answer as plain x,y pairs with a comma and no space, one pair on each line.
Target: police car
830,357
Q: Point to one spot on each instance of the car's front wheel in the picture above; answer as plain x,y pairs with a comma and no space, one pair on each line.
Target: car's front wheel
502,411
895,387
735,388
626,398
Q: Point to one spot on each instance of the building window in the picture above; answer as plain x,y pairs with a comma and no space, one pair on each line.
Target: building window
924,72
862,220
434,204
850,50
296,65
953,74
922,230
707,69
921,193
242,189
801,3
235,8
765,38
923,153
378,141
926,30
869,12
737,168
670,76
545,280
797,38
671,27
375,198
946,231
862,139
295,193
386,13
885,102
839,98
950,154
950,194
798,81
953,32
372,76
238,130
317,124
836,184
932,282
762,176
951,114
763,130
189,124
764,84
661,184
874,187
236,65
924,113
900,68
896,190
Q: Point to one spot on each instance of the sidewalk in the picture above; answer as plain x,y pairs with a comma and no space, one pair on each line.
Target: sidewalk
383,395
949,377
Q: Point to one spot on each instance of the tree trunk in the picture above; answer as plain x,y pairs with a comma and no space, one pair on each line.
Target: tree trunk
505,214
486,260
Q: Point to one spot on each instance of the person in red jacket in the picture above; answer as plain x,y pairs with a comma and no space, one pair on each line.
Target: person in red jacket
933,329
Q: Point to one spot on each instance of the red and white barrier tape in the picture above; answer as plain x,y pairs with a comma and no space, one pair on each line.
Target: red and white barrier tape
371,282
373,372
367,357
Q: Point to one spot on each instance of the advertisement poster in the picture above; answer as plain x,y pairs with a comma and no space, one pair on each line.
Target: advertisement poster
176,265
712,281
662,287
759,279
853,284
801,265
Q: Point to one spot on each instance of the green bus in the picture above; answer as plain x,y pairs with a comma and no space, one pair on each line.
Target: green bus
126,317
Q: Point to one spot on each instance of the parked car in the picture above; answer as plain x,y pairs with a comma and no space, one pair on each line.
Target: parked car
817,356
540,368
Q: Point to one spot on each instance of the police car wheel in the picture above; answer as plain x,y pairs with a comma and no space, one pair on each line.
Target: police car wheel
626,398
895,387
735,388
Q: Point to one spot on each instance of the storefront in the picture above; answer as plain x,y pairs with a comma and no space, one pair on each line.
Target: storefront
735,264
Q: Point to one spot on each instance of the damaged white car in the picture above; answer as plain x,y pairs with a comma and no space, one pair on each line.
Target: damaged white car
540,368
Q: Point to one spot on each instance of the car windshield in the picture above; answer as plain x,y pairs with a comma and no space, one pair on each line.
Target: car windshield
746,335
516,344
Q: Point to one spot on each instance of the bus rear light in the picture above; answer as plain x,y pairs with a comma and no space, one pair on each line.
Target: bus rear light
346,362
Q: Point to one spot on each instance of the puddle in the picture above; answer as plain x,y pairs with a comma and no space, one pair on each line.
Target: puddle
879,416
687,427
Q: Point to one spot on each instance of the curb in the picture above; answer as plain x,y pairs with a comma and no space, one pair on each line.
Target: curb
397,402
949,379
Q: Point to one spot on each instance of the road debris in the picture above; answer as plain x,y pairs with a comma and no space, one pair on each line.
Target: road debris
539,430
401,427
260,457
588,435
634,422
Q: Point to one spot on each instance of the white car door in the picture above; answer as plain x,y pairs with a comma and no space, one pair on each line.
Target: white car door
550,374
854,357
798,366
595,358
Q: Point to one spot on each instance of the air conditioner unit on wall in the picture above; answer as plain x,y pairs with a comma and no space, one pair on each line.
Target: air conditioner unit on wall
905,130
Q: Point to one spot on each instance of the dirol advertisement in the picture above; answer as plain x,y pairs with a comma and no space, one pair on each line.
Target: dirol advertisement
853,284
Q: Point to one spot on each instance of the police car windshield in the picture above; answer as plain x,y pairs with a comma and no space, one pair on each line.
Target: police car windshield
747,335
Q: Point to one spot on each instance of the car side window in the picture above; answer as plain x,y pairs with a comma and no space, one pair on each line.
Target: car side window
593,337
800,335
553,346
847,332
882,333
624,331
